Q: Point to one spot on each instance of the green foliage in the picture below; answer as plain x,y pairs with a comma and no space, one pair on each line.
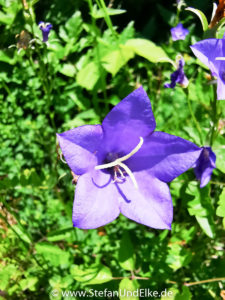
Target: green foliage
126,253
201,16
95,56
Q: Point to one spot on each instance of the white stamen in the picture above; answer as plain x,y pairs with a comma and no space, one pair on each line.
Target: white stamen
118,162
135,150
121,173
129,172
116,179
220,58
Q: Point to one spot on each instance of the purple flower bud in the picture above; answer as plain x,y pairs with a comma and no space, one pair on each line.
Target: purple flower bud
178,77
179,32
45,28
205,165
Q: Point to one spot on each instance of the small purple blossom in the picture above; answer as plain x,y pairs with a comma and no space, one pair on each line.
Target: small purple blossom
179,32
178,76
45,28
205,165
124,166
212,53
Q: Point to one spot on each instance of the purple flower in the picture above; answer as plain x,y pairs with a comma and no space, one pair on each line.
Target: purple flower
205,165
45,28
179,32
124,166
178,77
212,53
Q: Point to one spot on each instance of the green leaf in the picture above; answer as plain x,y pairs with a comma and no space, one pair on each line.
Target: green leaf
60,234
221,208
99,13
115,60
6,273
220,161
200,206
58,282
148,50
28,283
5,58
178,256
73,28
88,76
53,254
128,289
68,70
23,235
201,16
185,295
95,275
126,253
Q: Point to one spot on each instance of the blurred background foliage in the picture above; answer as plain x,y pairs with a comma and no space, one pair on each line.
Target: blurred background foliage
89,64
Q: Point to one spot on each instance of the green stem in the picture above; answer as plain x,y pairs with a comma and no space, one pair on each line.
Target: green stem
194,119
6,87
101,5
200,282
215,118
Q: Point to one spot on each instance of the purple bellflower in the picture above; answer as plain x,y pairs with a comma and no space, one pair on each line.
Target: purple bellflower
212,53
124,166
178,76
204,166
179,32
45,28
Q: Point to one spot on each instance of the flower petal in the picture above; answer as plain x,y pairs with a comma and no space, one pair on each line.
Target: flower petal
165,156
127,121
221,87
150,204
207,50
179,32
205,165
80,147
96,201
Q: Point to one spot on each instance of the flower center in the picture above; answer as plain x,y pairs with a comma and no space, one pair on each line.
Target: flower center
118,163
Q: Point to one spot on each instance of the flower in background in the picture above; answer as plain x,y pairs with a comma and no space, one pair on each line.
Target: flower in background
179,32
205,165
124,166
45,28
178,76
212,53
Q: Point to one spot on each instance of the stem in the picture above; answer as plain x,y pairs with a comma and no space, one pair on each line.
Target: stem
200,282
215,118
101,5
217,182
194,118
131,277
6,87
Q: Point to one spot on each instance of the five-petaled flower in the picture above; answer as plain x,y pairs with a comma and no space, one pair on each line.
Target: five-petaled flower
205,165
179,32
124,166
178,76
212,53
45,28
